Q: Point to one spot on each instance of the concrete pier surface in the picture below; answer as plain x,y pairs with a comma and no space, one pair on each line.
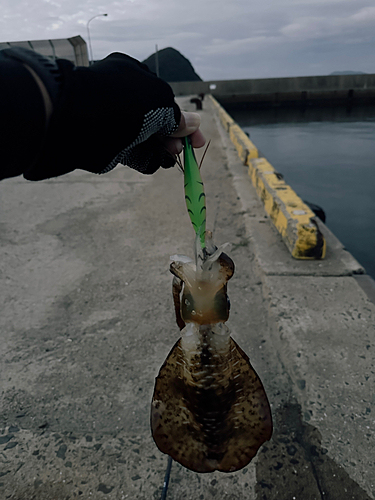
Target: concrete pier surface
87,320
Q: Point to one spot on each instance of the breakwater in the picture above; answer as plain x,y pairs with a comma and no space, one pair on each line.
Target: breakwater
306,90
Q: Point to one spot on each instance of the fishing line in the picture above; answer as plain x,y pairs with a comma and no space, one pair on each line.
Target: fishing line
166,479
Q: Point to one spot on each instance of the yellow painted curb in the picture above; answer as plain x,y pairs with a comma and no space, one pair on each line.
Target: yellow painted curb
225,119
245,148
293,219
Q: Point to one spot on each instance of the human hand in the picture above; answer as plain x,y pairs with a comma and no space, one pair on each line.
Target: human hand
189,126
122,112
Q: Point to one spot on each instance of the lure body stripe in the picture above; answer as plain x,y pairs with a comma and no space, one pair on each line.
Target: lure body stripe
194,192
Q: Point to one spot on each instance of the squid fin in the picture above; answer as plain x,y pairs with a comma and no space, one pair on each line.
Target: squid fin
204,426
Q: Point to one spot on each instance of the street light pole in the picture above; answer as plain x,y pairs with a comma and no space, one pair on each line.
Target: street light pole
91,57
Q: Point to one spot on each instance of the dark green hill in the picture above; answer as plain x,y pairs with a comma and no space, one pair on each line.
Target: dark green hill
173,66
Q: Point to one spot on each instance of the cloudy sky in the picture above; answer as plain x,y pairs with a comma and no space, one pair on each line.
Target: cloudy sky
223,39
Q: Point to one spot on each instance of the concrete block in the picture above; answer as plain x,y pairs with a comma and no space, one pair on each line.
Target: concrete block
294,220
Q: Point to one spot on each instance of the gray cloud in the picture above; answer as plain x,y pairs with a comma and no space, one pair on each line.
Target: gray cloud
223,39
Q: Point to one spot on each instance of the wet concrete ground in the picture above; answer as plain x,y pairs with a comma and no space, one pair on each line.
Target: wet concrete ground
87,320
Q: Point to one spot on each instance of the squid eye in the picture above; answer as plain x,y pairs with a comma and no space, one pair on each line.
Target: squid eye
221,305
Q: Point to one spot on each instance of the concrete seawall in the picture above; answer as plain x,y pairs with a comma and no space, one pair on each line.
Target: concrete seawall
276,91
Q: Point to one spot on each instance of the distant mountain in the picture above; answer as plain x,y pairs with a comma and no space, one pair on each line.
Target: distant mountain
173,66
348,73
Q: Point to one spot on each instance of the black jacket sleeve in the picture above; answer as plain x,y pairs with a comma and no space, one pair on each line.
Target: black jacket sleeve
22,117
115,111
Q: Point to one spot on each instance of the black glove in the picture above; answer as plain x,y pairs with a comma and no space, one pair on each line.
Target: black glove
115,111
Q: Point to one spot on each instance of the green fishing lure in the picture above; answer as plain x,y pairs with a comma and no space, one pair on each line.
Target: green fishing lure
194,192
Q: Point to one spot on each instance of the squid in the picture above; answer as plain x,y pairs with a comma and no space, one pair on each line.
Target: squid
209,408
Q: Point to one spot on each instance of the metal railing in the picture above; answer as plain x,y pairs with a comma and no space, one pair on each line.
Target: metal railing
74,48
